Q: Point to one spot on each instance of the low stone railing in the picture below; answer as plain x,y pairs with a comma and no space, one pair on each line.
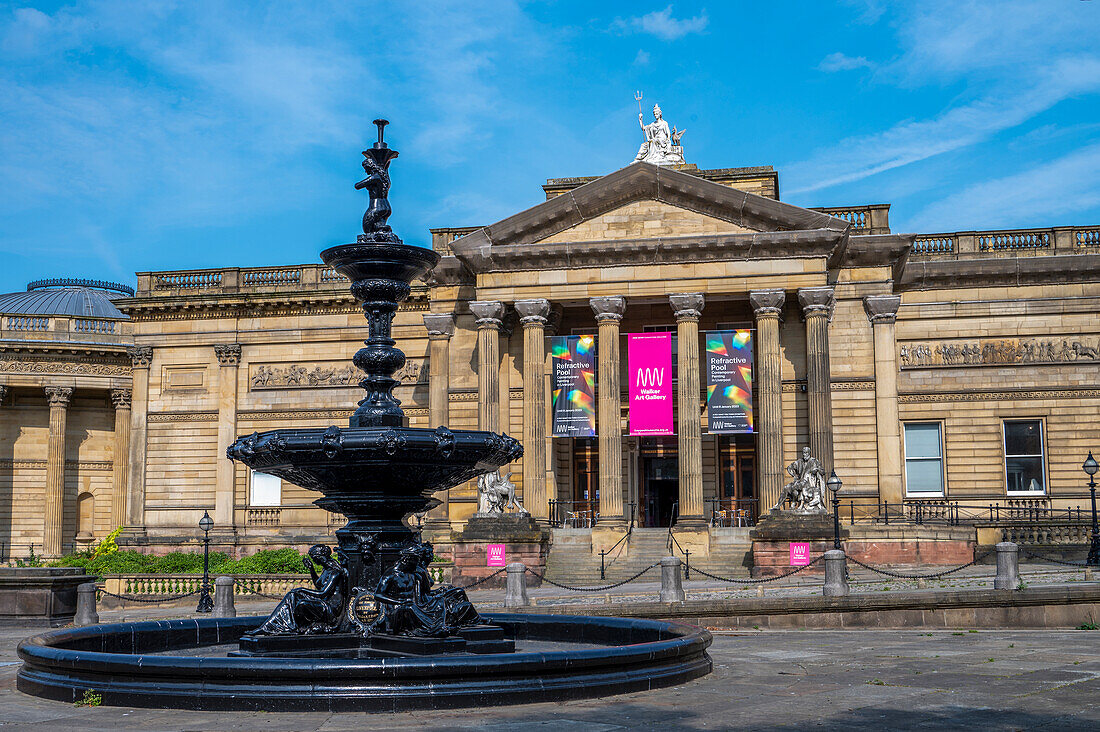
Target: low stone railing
1010,242
61,328
152,586
869,219
1048,533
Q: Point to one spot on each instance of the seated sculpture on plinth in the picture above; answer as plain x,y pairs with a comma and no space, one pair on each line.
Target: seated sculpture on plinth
321,610
806,491
495,494
661,147
408,605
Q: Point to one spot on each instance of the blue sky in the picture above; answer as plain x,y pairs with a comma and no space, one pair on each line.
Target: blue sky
145,136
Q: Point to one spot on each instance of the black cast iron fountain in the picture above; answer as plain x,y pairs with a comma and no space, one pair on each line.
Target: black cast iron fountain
373,633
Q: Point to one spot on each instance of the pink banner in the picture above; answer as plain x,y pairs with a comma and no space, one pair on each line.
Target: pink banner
649,374
495,555
800,553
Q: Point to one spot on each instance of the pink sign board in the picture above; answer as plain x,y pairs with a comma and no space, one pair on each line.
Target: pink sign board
649,374
800,554
495,556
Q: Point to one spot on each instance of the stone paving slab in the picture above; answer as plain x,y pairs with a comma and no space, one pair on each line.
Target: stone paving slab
762,680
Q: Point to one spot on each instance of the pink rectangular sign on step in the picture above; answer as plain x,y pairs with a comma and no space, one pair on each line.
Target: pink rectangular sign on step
495,556
800,553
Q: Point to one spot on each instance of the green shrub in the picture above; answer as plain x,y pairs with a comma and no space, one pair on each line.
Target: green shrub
128,561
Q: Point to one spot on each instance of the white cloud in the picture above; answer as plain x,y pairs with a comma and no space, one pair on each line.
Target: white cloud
1014,60
642,59
1034,197
661,24
841,62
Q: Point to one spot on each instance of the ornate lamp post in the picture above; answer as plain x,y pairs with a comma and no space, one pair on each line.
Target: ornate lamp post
206,602
1090,468
834,483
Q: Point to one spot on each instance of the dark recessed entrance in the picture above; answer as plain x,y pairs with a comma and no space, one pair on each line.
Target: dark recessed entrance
660,484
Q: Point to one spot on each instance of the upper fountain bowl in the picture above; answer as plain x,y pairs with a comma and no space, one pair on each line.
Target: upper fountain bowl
380,260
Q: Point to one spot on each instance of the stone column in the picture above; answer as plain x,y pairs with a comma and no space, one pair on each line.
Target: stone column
490,317
440,330
229,358
817,305
688,308
121,398
609,312
533,315
768,307
140,358
882,310
58,398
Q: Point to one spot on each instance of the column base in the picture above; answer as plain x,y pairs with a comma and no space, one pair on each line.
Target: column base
691,523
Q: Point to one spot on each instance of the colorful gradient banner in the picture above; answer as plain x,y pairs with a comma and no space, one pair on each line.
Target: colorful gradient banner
573,386
729,381
649,374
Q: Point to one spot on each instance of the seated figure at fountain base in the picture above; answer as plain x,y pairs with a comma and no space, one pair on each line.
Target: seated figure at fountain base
304,611
409,606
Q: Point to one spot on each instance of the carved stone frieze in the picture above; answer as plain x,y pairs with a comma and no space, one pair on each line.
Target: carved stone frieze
1010,395
49,366
9,464
999,352
321,375
183,417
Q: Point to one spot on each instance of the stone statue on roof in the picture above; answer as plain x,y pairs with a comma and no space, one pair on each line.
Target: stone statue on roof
661,146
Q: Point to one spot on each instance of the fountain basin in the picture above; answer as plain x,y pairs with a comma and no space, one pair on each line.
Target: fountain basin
577,657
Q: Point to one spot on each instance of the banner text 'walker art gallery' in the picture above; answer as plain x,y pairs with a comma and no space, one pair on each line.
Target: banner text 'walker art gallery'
649,370
573,390
729,381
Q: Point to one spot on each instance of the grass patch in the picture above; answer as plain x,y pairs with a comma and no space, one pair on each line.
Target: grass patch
90,699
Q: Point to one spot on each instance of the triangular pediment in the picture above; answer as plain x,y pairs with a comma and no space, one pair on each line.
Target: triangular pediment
641,204
643,219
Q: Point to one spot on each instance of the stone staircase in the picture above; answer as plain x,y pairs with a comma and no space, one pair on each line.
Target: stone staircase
572,562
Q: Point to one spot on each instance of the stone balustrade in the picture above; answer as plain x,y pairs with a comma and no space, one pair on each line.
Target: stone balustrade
244,280
1009,242
869,219
61,328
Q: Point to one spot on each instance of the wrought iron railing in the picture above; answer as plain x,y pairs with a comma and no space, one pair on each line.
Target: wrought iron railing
574,514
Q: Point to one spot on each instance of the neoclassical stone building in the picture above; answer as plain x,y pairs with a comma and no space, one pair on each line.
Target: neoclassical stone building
924,368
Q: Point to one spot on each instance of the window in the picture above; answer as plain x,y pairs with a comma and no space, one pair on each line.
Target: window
267,490
1024,461
923,459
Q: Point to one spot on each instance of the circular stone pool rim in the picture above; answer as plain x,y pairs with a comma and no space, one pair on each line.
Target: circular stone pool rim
649,654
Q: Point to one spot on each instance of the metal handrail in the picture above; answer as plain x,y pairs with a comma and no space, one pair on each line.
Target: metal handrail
624,537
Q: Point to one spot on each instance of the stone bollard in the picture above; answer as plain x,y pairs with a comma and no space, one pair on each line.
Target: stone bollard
223,598
672,582
760,590
836,573
85,605
1088,574
922,583
515,588
1008,567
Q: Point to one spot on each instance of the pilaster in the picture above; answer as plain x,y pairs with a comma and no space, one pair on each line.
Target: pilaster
122,400
140,359
229,359
441,328
882,311
58,397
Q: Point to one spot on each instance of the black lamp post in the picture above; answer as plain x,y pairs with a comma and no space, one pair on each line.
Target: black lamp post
834,483
206,602
1090,468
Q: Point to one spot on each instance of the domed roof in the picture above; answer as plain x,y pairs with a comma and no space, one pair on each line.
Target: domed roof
73,297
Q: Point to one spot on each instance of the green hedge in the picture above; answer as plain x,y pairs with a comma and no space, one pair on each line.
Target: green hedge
265,561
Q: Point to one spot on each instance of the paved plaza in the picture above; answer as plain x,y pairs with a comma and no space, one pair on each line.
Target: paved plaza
774,680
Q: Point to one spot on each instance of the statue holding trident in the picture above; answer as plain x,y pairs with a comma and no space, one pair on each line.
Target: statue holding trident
661,147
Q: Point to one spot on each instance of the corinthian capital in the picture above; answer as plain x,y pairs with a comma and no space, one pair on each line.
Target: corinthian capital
440,327
141,356
687,306
229,354
608,308
817,300
533,312
59,396
882,308
489,313
767,302
121,398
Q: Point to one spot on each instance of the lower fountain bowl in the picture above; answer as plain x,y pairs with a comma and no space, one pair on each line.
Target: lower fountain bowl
153,664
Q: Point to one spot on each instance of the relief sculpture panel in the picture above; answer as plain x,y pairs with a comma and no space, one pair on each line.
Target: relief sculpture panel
320,375
997,352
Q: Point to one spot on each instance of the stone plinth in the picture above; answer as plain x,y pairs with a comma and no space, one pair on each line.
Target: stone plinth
524,541
39,596
772,537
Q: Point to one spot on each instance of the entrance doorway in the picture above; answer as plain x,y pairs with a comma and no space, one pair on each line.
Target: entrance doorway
660,484
737,504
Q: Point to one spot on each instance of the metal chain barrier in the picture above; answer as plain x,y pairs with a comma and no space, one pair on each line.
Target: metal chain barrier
131,598
934,575
591,589
267,596
486,578
1081,565
762,580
